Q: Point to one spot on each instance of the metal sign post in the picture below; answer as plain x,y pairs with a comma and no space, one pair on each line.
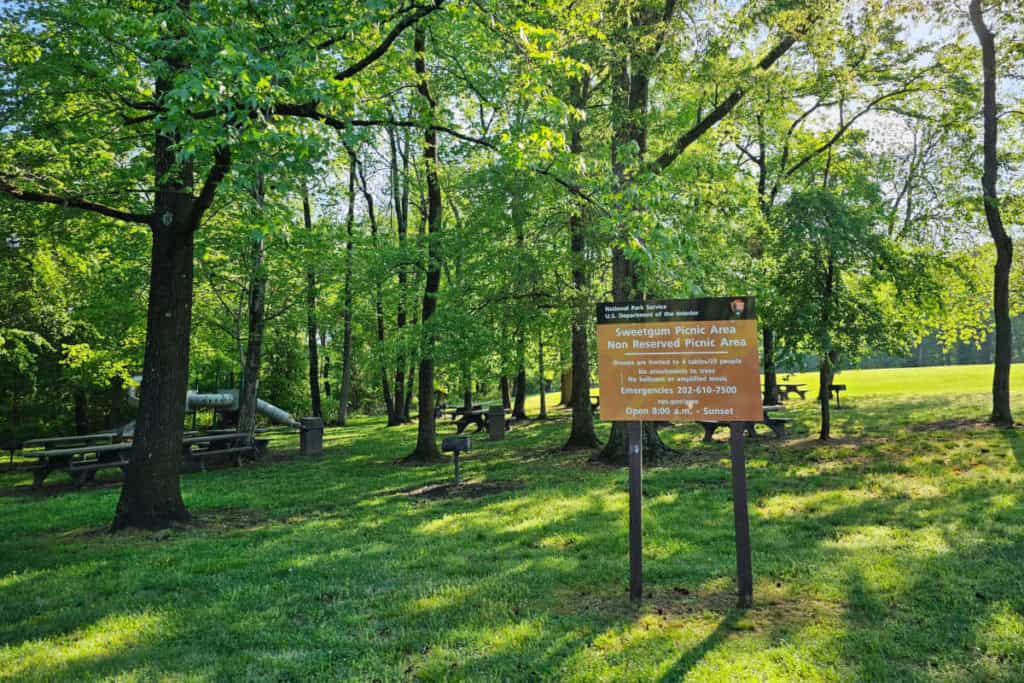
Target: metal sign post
741,518
635,445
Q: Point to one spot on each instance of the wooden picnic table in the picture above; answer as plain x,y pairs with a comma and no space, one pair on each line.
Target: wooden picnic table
786,388
81,462
834,390
51,442
776,424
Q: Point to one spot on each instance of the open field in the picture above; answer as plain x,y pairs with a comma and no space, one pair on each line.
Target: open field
892,553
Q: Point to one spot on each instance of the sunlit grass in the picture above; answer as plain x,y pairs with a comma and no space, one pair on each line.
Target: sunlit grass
893,553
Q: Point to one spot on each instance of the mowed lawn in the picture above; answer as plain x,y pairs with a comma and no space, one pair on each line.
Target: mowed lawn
894,553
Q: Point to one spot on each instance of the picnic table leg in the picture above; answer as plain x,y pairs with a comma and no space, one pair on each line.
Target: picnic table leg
461,426
39,476
481,423
778,427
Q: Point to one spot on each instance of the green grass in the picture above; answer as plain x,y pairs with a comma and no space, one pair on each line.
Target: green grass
893,553
931,380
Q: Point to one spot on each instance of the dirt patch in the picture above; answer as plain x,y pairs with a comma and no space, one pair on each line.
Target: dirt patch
772,606
467,489
226,518
941,425
206,519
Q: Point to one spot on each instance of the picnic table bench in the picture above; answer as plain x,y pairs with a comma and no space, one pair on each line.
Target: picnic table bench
775,423
786,389
196,449
834,390
80,461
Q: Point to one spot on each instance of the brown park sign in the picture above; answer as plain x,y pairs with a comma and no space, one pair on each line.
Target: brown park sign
679,360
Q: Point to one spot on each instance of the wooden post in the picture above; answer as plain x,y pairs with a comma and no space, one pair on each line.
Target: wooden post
634,439
741,518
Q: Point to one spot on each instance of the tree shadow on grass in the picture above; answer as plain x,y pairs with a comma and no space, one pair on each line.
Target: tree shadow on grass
347,582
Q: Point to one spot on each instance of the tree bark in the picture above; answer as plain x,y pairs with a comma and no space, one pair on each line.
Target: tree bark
346,334
256,324
826,372
581,428
506,396
631,93
151,494
1001,413
116,415
312,333
540,375
254,344
399,167
426,432
519,385
771,384
565,388
81,412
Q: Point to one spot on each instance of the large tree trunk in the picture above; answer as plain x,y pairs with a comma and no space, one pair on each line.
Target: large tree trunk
1004,244
151,494
565,388
254,345
630,133
311,323
346,334
426,433
581,429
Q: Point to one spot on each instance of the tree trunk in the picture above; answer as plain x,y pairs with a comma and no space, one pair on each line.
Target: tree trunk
400,202
311,323
254,345
346,334
825,373
771,384
506,397
426,433
151,494
519,386
581,428
565,388
116,414
1001,414
81,412
540,374
631,93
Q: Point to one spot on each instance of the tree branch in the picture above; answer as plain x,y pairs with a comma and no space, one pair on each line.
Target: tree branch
74,202
378,52
221,165
718,113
